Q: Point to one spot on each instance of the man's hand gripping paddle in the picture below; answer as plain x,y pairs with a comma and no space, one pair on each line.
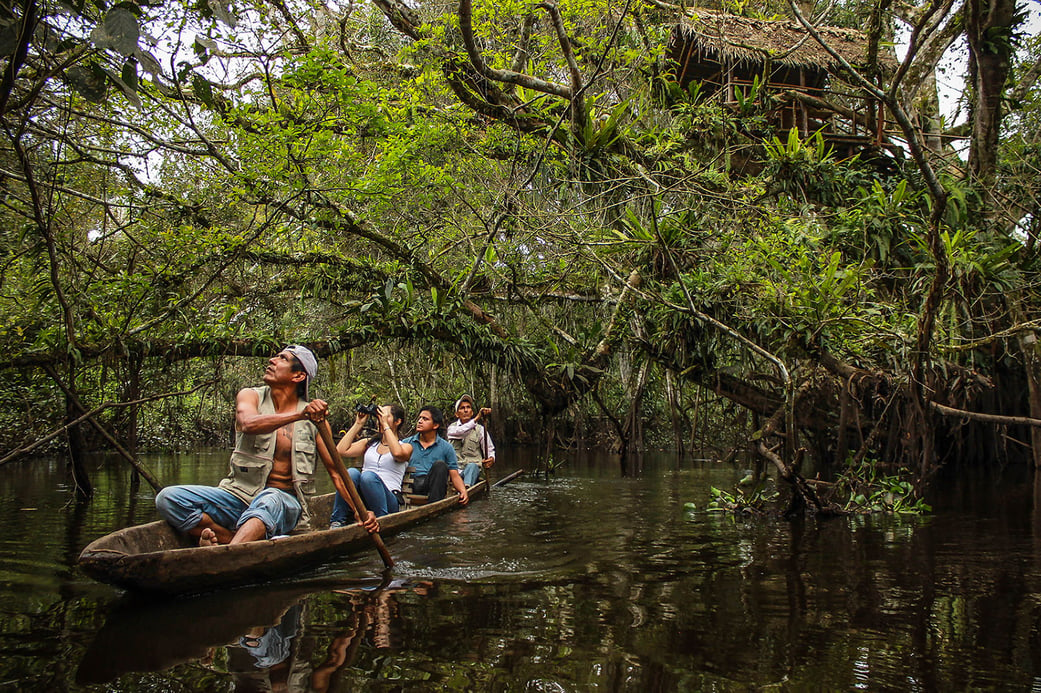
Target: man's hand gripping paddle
355,497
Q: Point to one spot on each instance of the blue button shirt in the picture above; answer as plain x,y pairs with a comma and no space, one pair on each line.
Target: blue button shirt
424,458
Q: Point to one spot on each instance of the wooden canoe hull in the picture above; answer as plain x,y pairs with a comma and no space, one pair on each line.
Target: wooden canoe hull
155,558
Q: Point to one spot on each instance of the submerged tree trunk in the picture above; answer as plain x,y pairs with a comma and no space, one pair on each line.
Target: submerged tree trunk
77,452
132,393
622,447
673,396
633,430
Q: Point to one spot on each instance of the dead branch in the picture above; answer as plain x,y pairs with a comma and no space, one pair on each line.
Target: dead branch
14,454
986,418
126,454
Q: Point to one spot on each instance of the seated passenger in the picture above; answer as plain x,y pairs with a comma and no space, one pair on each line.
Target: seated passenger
385,460
434,458
473,446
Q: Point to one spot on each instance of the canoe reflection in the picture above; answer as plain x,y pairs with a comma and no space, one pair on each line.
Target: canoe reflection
262,639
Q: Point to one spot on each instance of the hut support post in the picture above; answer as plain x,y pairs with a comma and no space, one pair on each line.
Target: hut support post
802,110
1032,365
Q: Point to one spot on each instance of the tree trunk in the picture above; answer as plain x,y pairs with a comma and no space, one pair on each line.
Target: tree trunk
699,393
989,25
633,420
132,393
673,394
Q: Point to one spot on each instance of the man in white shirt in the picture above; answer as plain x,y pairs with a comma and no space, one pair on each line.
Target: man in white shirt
473,446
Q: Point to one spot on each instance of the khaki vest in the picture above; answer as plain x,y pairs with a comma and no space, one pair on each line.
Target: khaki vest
468,448
251,461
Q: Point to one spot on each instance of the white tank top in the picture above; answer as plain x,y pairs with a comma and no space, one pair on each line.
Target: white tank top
390,471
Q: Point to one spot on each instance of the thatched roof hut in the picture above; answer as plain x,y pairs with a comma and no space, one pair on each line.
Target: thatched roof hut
726,55
783,42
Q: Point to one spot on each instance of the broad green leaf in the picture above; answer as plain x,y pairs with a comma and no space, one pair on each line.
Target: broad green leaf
9,37
128,91
118,31
148,62
89,82
202,89
130,74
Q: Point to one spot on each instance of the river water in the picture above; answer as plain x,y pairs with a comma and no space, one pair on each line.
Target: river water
590,581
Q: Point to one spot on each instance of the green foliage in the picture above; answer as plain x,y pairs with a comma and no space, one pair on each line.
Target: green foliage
599,132
869,490
756,500
882,224
748,98
865,489
796,290
807,171
334,184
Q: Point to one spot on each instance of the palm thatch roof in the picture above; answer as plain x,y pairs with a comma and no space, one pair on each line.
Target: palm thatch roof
732,38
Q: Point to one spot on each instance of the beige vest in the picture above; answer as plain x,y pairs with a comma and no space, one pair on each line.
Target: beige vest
251,461
468,448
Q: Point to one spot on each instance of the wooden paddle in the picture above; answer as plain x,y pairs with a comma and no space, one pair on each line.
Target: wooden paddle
509,477
484,469
355,497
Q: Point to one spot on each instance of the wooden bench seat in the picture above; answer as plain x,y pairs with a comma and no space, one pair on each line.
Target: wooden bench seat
413,499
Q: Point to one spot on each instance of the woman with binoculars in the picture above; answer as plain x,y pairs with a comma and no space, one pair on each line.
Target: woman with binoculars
384,463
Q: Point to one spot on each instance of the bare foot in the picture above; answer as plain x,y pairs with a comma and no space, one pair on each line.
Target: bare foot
208,538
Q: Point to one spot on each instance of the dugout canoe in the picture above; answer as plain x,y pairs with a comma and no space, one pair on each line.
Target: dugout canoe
154,558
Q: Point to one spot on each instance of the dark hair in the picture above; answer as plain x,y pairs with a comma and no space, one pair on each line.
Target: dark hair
437,417
397,413
297,367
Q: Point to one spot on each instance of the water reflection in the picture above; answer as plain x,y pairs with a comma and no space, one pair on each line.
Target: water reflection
142,636
262,659
376,620
588,581
259,639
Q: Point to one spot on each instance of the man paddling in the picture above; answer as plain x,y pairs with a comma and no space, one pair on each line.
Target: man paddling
473,446
272,468
433,458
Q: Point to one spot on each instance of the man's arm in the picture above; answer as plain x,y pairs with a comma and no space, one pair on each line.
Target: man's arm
248,418
454,476
457,429
486,440
457,483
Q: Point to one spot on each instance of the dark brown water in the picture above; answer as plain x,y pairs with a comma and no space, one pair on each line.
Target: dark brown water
590,581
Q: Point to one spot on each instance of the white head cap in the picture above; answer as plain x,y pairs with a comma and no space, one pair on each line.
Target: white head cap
307,359
465,398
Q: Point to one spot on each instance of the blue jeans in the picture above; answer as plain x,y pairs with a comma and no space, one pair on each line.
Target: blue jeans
183,507
374,494
472,473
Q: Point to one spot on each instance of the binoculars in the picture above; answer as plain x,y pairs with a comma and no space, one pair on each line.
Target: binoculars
372,409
